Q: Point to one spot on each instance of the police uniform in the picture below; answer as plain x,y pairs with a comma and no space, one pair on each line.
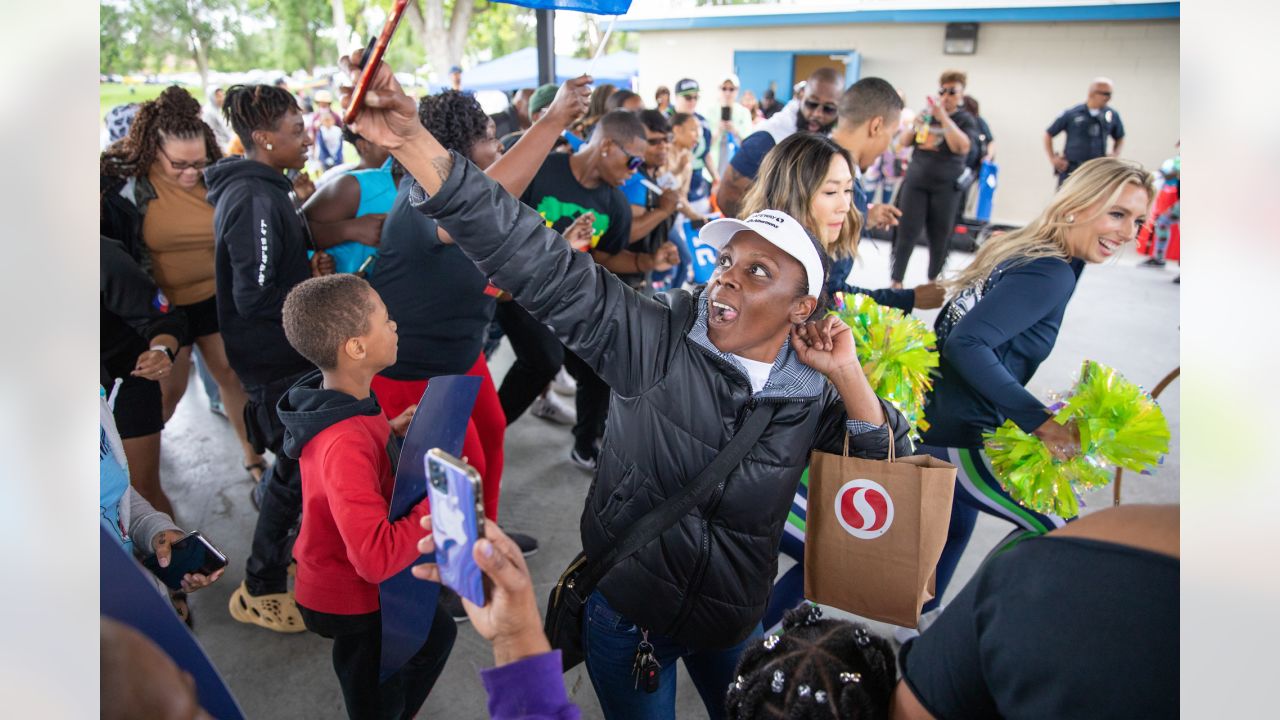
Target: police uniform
1086,135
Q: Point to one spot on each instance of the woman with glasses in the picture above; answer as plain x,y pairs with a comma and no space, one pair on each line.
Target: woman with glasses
153,201
929,195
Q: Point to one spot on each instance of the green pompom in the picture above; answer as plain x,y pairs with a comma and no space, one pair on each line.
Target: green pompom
1120,426
897,352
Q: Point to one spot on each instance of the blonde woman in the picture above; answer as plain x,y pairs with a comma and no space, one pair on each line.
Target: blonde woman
1002,321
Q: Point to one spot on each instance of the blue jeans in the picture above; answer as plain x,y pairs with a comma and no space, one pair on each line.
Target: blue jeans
610,640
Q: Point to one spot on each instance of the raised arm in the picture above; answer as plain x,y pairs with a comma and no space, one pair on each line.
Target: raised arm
591,311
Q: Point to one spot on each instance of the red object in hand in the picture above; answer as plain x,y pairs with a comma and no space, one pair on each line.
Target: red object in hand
369,64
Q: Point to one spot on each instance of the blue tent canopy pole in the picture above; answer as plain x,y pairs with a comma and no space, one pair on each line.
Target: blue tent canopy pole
546,46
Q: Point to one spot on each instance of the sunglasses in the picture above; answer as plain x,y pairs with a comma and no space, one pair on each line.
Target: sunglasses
1103,93
633,163
182,166
948,91
655,142
727,88
827,108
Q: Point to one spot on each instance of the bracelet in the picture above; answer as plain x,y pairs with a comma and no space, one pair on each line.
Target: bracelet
164,349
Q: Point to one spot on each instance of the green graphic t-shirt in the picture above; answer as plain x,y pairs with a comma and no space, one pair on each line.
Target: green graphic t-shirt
558,196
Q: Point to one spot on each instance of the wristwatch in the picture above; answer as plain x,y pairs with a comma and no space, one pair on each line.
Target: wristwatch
164,349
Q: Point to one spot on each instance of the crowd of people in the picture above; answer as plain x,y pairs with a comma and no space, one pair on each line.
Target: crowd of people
322,309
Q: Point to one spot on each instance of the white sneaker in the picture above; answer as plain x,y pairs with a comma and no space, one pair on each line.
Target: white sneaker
550,407
564,383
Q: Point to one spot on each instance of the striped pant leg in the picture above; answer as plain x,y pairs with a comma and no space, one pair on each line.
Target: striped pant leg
977,490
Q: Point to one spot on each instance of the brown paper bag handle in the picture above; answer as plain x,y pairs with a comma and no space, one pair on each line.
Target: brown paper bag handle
892,449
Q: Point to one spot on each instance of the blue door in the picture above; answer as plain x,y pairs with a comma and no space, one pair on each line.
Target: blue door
757,69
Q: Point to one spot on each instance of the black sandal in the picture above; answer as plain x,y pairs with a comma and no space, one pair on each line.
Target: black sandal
260,466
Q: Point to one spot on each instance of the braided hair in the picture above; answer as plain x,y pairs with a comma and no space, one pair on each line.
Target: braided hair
828,669
174,114
455,119
256,107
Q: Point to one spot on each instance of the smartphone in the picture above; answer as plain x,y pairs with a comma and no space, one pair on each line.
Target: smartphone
457,522
726,113
369,64
191,554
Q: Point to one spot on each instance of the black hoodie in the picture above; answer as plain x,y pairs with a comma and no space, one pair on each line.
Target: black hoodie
261,254
308,409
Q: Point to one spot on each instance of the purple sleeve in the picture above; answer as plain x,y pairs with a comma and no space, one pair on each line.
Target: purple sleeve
529,689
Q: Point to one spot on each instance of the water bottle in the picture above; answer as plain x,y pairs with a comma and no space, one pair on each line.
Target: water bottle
922,135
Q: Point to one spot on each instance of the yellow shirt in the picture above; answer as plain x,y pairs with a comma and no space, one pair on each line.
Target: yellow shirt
178,230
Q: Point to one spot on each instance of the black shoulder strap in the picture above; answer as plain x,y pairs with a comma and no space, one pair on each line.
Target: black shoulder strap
658,520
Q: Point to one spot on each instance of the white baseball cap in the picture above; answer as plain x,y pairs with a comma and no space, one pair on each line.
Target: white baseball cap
780,229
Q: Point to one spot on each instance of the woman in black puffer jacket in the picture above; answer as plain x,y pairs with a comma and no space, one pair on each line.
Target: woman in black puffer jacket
686,372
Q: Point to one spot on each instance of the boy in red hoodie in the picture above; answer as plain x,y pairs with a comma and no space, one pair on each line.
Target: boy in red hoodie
344,444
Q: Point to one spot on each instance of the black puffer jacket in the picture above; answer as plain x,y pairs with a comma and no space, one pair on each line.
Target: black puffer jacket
260,255
676,402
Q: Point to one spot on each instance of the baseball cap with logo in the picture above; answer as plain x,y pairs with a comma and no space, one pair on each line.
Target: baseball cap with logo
781,230
687,86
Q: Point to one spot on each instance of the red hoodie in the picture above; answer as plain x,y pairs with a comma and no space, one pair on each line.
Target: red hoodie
347,545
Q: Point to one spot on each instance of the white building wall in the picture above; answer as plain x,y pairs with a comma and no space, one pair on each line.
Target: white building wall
1024,75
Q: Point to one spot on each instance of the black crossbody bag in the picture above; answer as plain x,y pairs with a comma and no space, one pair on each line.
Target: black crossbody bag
569,595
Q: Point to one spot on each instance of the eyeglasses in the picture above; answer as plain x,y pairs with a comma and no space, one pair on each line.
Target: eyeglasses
655,142
183,166
948,91
827,108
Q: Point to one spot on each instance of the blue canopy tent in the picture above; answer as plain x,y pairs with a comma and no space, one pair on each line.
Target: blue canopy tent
520,70
545,9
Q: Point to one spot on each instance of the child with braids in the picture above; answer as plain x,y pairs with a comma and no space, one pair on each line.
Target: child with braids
261,254
154,204
815,668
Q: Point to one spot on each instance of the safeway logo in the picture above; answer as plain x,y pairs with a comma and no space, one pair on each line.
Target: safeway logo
864,509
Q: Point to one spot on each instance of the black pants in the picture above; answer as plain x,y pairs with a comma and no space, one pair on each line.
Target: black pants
592,404
357,651
267,570
928,207
539,356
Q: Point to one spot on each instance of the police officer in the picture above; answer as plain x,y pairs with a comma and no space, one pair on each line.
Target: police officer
1087,126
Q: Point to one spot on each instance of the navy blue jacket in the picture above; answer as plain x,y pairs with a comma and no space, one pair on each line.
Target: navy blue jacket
1087,135
991,339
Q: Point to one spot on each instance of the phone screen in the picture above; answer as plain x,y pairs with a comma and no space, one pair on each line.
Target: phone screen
457,521
191,554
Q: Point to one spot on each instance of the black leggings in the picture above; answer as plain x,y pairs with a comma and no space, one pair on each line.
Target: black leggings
929,208
357,653
539,356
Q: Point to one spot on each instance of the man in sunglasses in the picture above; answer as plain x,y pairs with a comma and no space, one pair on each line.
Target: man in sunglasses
704,174
816,112
1088,126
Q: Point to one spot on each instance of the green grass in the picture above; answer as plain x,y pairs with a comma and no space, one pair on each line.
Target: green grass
113,94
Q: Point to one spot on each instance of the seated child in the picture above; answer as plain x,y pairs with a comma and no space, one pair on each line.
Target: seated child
343,442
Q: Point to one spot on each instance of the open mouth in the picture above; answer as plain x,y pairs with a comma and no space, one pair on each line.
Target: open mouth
721,314
1109,247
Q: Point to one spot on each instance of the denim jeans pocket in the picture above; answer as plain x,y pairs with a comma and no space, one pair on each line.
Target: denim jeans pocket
601,615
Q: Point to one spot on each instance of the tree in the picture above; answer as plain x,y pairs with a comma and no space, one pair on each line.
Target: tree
444,43
188,28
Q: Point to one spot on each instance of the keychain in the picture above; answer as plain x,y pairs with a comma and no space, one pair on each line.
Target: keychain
646,669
